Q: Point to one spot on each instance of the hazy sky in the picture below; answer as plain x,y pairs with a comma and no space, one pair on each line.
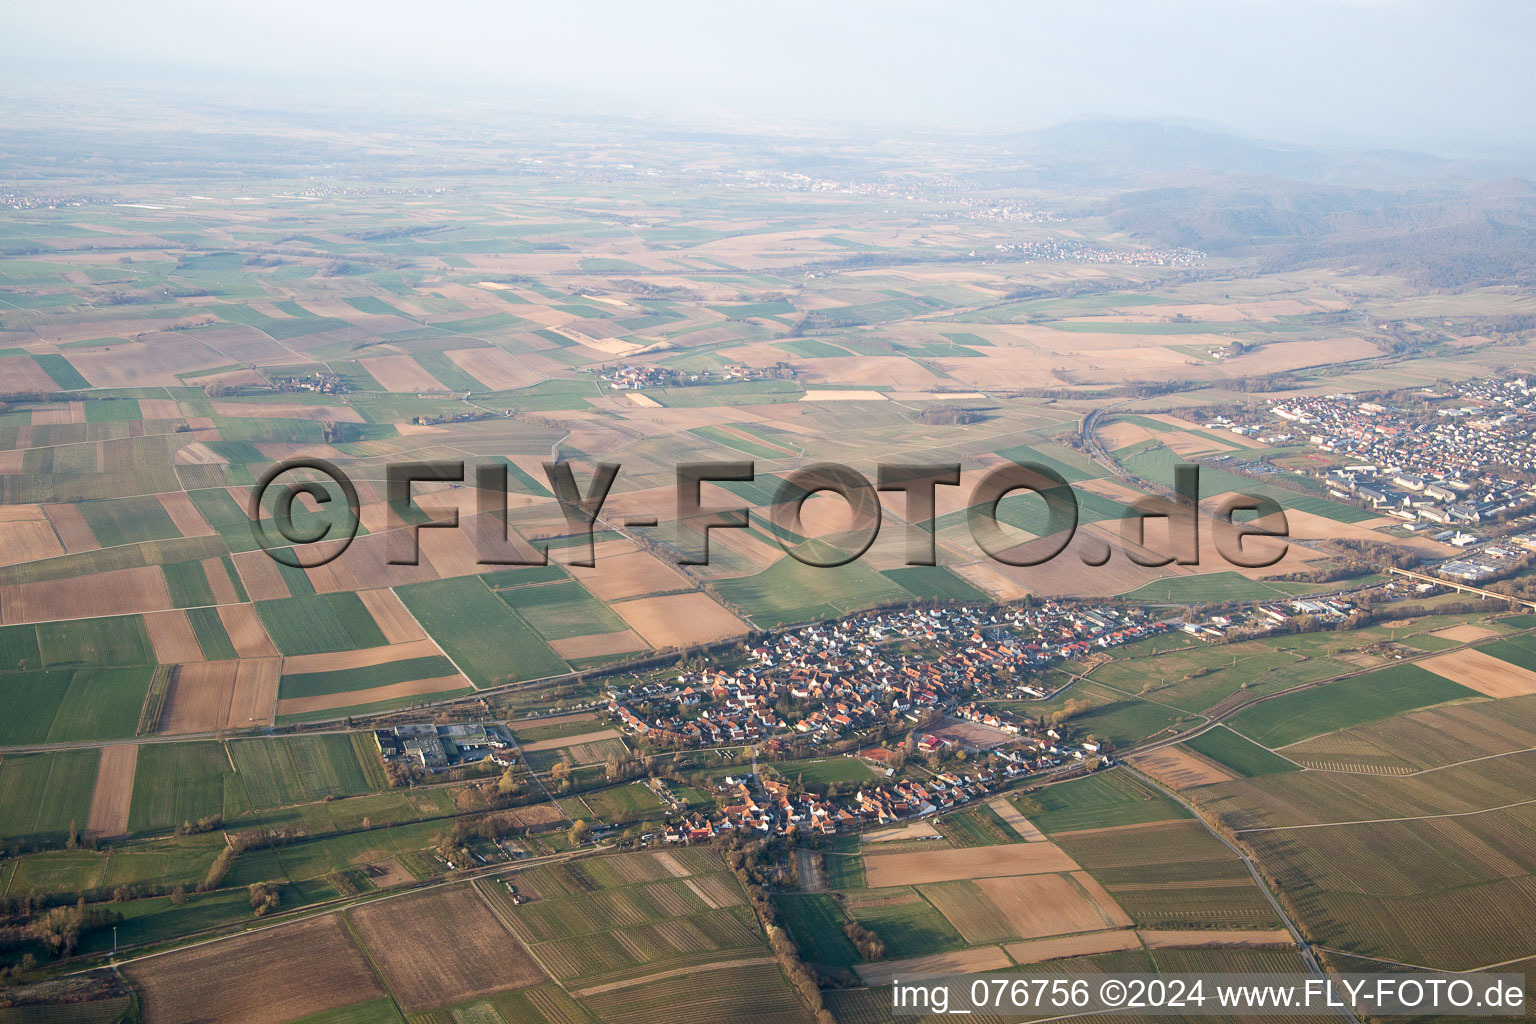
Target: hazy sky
1453,76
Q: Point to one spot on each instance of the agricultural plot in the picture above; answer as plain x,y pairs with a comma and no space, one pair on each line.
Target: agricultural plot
975,826
1424,739
620,919
319,623
790,591
1478,670
441,948
113,794
270,977
816,922
754,990
1380,694
1172,874
909,925
1102,800
180,782
1306,798
483,636
367,677
947,865
1180,768
101,704
43,796
298,769
128,520
561,611
117,640
1448,893
1238,754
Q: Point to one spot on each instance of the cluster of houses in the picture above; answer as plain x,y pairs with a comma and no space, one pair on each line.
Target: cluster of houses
1455,459
825,682
638,377
317,383
769,806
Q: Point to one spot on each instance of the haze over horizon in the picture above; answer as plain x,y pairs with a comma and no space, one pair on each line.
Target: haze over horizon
1358,74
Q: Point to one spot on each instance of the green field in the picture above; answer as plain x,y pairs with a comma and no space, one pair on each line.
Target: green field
975,826
790,591
1239,753
101,704
815,921
934,583
820,771
128,520
1102,800
1204,588
910,928
33,700
1517,650
212,637
319,623
1333,706
344,680
298,769
116,640
560,611
483,636
178,782
188,584
845,865
18,648
41,795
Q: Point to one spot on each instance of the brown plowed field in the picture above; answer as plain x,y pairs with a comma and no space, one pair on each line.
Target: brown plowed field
27,538
261,576
1181,768
394,620
114,790
331,661
246,631
270,977
1482,672
679,620
118,592
497,369
598,645
400,373
1217,940
441,948
213,695
1036,906
219,582
178,505
940,865
615,577
412,688
173,638
255,693
1038,950
940,965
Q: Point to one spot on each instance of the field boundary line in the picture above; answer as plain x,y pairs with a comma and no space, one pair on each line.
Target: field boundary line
1385,821
1303,947
614,986
1416,771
